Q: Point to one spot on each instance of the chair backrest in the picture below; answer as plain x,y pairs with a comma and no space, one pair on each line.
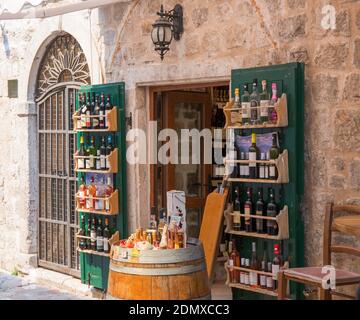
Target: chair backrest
339,224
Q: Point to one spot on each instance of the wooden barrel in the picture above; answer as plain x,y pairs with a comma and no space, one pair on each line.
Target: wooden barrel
160,275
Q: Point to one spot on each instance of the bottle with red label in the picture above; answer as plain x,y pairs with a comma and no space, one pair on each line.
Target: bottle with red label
276,264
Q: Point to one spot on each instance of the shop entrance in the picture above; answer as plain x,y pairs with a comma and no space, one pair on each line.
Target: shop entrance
187,108
63,70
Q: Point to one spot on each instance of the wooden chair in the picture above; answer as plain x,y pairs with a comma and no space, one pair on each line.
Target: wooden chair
313,276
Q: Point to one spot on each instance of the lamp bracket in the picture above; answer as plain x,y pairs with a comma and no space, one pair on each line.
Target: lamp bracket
175,16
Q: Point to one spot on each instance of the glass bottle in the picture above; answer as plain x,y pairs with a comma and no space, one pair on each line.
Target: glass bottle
271,211
245,105
264,102
253,156
254,104
237,210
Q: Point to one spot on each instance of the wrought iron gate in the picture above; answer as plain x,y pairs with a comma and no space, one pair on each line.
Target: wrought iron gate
58,220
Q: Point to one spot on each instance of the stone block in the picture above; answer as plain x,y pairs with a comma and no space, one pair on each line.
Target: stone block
292,28
347,130
332,56
355,173
296,4
325,88
337,182
338,164
357,53
299,54
352,87
199,16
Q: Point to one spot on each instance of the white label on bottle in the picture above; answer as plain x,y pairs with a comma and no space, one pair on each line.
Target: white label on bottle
262,172
92,161
245,109
231,263
81,194
262,280
88,163
253,279
81,164
107,205
246,171
246,279
236,218
98,165
272,171
252,157
266,174
264,108
106,118
275,269
269,282
102,162
93,234
242,277
99,242
97,205
106,244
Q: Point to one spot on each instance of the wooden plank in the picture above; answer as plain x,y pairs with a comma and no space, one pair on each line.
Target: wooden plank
211,227
347,224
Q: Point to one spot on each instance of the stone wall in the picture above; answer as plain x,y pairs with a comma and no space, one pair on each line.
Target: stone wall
219,36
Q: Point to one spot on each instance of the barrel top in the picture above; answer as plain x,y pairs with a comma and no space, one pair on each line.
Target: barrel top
193,251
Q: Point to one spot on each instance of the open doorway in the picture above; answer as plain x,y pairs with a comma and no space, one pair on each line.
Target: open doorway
188,107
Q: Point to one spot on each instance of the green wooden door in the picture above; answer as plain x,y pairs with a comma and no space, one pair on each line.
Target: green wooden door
95,268
290,80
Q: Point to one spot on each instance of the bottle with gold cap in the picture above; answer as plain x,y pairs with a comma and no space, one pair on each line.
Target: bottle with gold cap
253,156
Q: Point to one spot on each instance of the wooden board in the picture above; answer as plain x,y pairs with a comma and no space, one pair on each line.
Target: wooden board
348,225
211,227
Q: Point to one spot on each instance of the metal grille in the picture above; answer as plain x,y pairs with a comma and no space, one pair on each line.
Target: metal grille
58,222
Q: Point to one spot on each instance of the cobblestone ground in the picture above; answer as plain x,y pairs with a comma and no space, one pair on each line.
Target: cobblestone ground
21,288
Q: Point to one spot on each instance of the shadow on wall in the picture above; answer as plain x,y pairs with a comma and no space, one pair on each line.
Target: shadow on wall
5,41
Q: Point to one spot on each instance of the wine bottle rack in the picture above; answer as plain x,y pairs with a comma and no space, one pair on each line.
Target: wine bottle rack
113,204
111,121
281,163
238,285
282,220
114,238
280,107
111,159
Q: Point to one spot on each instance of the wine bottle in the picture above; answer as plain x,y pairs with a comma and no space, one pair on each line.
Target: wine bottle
93,235
245,106
103,154
253,156
99,237
82,242
248,210
102,112
254,103
264,102
274,154
254,265
82,153
88,112
276,265
108,108
237,210
263,268
106,236
271,211
260,211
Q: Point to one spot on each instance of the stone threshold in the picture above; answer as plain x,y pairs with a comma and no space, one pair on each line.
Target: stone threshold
63,282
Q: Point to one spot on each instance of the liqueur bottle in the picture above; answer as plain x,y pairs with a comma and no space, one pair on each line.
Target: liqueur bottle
253,156
103,154
82,194
99,237
274,154
245,106
96,112
90,203
254,103
88,112
273,116
264,102
248,209
254,265
82,153
276,264
106,236
102,112
272,227
93,234
108,108
109,149
235,257
260,211
237,209
82,242
108,192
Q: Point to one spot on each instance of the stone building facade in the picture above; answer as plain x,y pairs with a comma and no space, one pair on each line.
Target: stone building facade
220,35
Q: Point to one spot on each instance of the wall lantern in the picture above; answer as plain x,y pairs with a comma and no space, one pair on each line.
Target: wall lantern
167,27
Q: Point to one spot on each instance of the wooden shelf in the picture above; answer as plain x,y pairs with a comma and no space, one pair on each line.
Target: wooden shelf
111,121
113,204
282,220
114,238
281,163
247,287
111,159
280,106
